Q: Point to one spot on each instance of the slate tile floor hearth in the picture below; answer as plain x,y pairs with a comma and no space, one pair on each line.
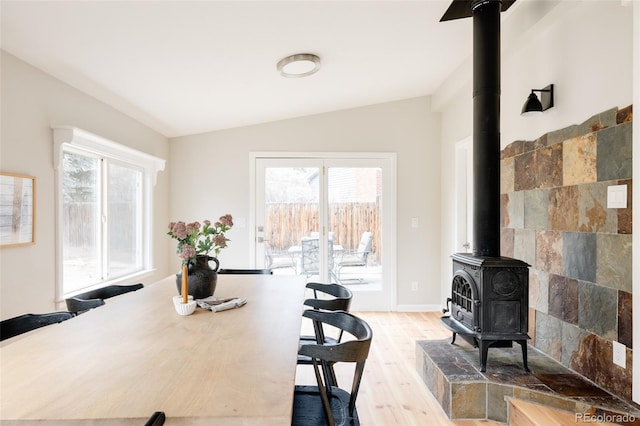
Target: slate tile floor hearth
452,373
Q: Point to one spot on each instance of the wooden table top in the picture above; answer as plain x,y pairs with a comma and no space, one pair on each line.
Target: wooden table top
136,355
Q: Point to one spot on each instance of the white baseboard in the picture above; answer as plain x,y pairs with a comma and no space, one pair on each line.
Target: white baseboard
419,308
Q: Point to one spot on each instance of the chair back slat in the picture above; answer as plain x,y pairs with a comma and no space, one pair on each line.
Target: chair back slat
338,304
109,291
245,271
349,351
92,299
341,300
21,324
78,305
335,290
345,321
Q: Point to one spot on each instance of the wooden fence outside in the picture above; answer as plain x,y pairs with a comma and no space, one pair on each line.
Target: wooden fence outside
288,223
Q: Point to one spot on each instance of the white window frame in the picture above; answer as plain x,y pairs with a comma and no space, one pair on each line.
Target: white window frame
78,140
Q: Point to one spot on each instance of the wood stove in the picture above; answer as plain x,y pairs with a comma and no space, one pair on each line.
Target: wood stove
489,293
489,303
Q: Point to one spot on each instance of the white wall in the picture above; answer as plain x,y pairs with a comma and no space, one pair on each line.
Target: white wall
457,125
32,102
583,47
210,177
636,200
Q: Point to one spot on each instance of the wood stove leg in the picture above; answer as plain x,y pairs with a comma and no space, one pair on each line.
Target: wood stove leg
483,349
454,338
523,343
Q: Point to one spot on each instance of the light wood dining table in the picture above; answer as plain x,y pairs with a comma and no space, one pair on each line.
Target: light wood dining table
119,363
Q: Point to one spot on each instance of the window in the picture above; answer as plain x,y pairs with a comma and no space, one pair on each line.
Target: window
104,205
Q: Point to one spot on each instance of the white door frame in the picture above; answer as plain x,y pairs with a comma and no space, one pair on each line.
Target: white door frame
464,196
388,301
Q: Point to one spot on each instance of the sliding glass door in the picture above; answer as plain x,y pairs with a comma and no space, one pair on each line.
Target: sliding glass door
324,218
288,217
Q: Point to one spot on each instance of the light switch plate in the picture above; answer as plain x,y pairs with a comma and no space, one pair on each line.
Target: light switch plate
619,354
617,197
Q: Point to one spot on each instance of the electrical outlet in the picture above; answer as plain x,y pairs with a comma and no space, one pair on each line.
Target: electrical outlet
414,285
619,354
617,197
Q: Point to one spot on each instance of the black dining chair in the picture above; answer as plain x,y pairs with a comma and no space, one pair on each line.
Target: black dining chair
327,297
81,303
326,403
21,324
157,419
78,305
267,271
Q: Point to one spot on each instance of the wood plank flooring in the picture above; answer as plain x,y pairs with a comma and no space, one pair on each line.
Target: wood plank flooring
392,392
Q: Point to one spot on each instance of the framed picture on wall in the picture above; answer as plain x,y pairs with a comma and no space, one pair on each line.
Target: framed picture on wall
17,209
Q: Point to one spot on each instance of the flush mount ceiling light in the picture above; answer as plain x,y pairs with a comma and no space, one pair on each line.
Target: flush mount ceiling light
534,105
299,65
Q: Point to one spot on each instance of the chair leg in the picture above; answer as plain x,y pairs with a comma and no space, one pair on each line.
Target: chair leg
355,387
323,394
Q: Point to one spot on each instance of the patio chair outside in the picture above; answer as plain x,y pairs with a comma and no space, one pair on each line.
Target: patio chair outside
310,257
280,261
359,257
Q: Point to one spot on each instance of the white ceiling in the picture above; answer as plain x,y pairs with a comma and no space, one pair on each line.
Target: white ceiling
186,67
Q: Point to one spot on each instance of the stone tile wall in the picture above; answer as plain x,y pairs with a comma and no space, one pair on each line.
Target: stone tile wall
554,216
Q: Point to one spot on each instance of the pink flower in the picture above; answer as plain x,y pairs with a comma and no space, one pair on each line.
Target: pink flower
180,230
220,241
227,220
187,252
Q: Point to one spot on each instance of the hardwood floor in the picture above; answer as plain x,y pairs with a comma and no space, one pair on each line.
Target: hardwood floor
392,392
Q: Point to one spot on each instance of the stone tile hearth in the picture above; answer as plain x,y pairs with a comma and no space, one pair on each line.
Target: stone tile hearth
452,374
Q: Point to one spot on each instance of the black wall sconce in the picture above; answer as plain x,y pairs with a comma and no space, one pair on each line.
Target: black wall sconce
534,105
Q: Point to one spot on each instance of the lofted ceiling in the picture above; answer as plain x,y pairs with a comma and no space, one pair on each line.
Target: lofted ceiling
187,67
